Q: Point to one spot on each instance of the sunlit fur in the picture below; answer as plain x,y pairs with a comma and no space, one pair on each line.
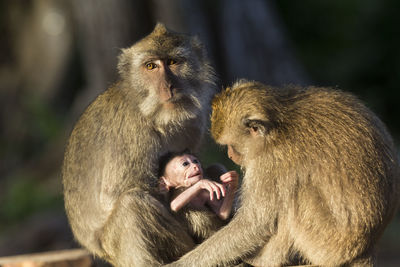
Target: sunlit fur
321,178
196,75
111,160
202,223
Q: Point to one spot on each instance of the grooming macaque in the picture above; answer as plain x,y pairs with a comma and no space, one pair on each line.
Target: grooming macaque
183,184
321,178
160,104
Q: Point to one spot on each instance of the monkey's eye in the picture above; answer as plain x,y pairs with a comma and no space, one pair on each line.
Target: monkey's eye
171,61
185,163
151,66
196,161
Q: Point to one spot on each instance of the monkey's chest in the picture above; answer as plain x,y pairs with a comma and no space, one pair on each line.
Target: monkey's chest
198,202
181,137
202,201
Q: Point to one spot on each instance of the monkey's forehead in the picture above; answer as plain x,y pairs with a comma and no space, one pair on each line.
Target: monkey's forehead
156,50
169,40
164,42
163,53
232,105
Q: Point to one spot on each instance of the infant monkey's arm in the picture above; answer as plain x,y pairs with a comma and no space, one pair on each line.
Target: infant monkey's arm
223,210
186,196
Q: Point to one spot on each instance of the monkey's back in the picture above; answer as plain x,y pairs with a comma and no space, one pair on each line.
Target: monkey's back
339,134
347,169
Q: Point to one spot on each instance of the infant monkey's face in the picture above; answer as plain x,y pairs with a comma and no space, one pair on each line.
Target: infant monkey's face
184,171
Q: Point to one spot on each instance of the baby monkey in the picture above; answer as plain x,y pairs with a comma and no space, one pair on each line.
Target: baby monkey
182,182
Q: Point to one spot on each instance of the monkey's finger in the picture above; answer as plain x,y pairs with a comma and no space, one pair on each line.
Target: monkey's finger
227,180
211,191
224,176
228,176
216,190
222,189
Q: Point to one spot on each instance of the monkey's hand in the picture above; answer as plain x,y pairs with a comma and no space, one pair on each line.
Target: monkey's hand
231,178
212,187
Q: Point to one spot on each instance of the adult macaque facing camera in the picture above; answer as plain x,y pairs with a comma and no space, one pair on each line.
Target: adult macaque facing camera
321,178
160,104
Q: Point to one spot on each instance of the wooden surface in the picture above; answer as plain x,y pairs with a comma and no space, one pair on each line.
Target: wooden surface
62,258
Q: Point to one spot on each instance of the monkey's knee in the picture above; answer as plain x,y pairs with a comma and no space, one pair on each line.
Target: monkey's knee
275,251
141,232
363,262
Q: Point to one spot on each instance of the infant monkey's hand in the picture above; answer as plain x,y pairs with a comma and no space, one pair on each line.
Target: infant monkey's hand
231,178
212,187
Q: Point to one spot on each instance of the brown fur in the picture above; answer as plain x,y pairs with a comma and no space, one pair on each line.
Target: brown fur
321,177
201,224
111,160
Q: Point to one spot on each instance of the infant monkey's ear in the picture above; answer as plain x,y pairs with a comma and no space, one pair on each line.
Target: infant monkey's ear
162,185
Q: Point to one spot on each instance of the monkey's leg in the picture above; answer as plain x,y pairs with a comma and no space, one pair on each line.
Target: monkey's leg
363,262
201,223
237,240
141,232
275,252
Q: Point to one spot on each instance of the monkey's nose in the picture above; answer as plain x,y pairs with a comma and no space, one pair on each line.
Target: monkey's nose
166,92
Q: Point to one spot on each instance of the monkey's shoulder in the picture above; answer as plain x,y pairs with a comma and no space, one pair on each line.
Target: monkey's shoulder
111,106
330,101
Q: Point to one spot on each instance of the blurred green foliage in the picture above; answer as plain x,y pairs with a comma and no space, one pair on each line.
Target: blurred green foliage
24,193
42,122
24,197
34,124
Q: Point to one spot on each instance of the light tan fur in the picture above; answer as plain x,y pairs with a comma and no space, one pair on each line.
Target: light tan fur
111,160
321,178
202,223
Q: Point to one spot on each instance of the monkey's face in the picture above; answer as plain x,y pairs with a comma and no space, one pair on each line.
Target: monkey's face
240,120
234,155
168,74
183,171
164,74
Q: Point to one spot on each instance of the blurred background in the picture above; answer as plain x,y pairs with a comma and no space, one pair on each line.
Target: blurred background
56,56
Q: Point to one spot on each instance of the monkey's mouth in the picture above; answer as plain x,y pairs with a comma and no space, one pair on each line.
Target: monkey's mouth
168,94
176,95
195,177
195,174
173,100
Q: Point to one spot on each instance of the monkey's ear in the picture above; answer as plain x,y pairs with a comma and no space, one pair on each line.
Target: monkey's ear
198,47
159,29
123,62
163,184
256,127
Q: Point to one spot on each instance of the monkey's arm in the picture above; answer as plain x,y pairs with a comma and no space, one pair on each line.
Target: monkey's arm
241,238
223,209
185,197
